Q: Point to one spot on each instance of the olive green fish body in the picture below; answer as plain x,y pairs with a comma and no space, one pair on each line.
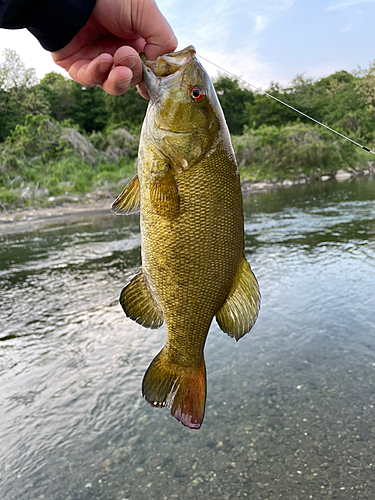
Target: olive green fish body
193,264
191,259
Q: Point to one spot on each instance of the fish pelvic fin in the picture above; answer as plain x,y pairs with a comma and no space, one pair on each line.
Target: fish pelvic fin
138,303
128,201
163,190
238,314
180,389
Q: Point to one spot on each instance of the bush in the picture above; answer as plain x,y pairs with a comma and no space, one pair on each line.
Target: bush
272,152
43,158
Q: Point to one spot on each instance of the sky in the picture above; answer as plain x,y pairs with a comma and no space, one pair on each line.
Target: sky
261,41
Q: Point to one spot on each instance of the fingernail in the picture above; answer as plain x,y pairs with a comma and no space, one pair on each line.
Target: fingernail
123,84
130,62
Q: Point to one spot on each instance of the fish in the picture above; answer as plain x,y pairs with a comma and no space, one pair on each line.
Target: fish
194,268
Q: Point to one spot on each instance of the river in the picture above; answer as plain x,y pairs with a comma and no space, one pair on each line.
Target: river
290,408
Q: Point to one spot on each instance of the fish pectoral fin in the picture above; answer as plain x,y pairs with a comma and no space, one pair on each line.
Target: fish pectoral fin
163,190
180,389
239,312
138,304
128,201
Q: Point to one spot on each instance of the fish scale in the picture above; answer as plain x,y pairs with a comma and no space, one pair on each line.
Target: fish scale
192,236
198,252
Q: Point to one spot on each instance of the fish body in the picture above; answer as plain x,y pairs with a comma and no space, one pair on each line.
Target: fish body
192,236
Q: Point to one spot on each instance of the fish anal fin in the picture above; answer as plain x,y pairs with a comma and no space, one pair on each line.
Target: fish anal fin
163,190
180,389
128,201
138,303
240,311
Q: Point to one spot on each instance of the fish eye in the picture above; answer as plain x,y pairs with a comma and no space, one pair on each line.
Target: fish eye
196,93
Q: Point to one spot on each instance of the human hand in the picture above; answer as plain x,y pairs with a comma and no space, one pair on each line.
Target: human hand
106,50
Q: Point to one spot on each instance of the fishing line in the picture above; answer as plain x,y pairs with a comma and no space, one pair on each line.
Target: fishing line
291,107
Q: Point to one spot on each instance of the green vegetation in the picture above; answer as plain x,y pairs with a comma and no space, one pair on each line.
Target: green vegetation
296,151
60,140
44,161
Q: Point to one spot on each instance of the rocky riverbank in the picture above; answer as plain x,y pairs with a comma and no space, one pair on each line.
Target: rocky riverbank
340,175
64,210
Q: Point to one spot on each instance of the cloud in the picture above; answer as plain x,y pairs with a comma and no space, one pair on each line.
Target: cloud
347,4
264,13
227,33
260,23
320,71
30,51
245,64
224,24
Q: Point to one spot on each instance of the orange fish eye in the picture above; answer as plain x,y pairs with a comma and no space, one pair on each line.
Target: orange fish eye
196,93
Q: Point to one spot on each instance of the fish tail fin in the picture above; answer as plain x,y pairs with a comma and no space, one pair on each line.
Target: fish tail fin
181,389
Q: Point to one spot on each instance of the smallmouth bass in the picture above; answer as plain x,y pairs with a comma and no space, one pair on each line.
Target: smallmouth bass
193,261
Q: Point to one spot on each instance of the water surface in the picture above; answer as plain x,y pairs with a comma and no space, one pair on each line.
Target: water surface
290,408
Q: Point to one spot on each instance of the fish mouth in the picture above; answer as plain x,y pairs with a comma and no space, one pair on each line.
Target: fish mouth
168,64
163,73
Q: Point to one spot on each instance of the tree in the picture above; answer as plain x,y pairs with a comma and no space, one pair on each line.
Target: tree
335,100
13,72
59,93
3,115
86,106
89,109
365,88
233,100
127,110
19,94
266,111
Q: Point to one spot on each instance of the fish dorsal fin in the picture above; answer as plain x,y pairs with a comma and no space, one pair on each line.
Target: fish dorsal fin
239,312
138,304
163,190
128,201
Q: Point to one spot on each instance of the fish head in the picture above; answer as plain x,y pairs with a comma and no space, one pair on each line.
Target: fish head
184,118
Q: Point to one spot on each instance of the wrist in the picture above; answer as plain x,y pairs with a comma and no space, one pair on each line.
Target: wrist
56,23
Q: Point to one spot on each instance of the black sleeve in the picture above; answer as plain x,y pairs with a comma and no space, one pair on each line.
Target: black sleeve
53,22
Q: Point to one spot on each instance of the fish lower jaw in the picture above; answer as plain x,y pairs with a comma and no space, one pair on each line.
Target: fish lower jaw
177,132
